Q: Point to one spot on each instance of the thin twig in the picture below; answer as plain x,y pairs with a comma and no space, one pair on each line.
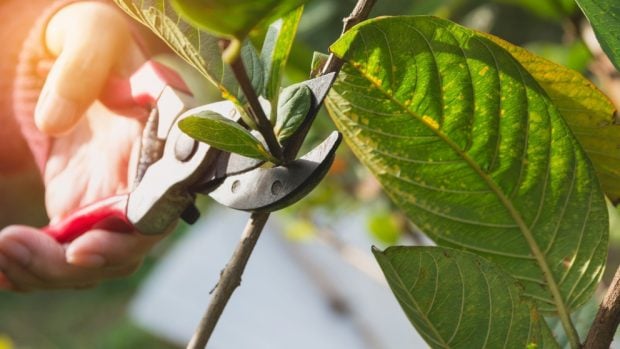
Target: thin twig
607,318
256,110
360,13
229,280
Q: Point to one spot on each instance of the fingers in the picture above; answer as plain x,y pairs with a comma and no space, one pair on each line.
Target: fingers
91,162
31,260
100,248
92,40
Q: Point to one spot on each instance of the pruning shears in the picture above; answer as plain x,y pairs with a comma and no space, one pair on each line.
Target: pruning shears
167,187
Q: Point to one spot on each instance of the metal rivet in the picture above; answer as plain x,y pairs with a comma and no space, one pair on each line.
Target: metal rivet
185,147
235,186
276,188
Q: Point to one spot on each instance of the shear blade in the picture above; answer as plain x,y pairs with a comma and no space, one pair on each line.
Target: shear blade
271,189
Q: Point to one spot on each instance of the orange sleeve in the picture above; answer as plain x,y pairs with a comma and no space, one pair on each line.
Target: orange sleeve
17,17
28,77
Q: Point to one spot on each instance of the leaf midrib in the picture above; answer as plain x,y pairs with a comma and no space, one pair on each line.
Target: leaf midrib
514,213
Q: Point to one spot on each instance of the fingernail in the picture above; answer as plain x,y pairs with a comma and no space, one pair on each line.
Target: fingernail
15,251
86,261
55,114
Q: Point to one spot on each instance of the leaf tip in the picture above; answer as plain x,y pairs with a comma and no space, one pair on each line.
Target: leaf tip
376,251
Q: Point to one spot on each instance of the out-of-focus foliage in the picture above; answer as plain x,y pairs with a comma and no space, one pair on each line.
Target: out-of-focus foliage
574,55
552,9
94,318
233,18
385,227
6,342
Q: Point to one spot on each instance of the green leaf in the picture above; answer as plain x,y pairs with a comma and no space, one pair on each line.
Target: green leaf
255,69
318,61
224,134
276,49
199,49
582,318
456,299
589,113
234,18
293,106
468,144
604,15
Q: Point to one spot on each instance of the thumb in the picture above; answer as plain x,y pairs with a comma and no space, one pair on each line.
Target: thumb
92,40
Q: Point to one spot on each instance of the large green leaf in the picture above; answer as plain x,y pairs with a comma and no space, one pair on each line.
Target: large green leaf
456,299
588,112
604,15
471,147
198,48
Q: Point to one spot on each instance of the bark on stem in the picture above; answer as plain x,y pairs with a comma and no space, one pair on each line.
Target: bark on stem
607,318
360,12
230,279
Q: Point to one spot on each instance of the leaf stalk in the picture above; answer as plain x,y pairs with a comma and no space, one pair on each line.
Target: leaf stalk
255,110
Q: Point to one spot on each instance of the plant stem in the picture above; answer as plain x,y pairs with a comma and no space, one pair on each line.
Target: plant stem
230,279
360,13
256,110
607,318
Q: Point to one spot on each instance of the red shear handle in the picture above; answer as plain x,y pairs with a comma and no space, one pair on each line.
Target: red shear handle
106,214
142,89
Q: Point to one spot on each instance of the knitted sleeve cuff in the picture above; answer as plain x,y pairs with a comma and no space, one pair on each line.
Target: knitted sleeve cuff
33,65
29,80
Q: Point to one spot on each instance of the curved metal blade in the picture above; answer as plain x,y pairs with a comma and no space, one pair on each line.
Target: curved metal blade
271,189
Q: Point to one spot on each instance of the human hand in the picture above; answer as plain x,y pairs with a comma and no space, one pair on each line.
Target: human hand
89,159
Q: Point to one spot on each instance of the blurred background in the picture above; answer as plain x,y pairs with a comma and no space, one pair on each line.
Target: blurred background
312,280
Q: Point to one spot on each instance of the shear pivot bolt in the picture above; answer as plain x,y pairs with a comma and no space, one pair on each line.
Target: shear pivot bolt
235,186
276,187
185,147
